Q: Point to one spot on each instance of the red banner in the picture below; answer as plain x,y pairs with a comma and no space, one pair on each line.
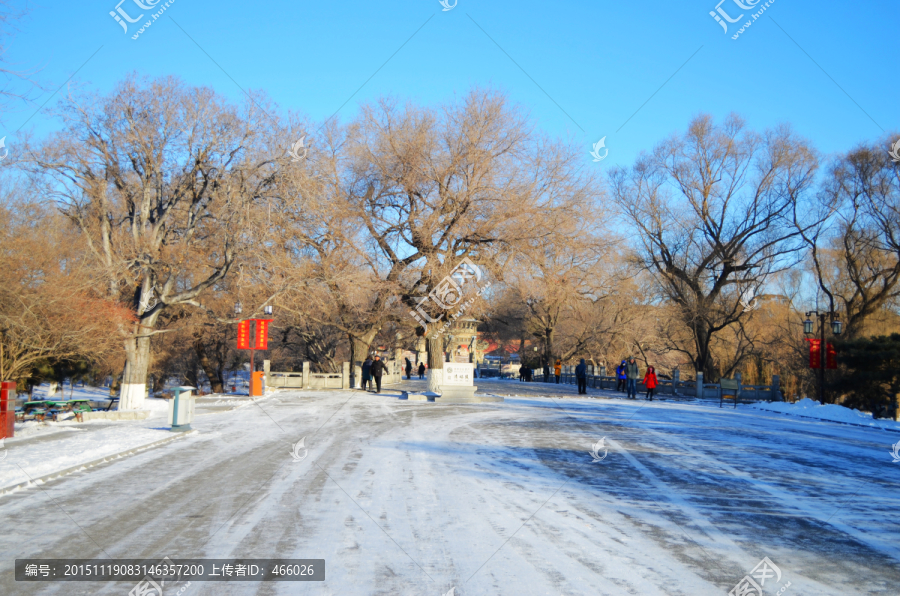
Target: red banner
262,334
815,354
243,335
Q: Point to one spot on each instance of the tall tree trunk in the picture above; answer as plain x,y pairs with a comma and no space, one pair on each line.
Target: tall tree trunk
549,333
359,349
213,373
435,363
704,362
134,380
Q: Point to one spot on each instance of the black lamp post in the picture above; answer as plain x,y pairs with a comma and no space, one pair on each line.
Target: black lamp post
836,329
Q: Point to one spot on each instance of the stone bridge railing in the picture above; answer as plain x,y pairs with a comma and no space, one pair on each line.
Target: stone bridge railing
696,388
336,380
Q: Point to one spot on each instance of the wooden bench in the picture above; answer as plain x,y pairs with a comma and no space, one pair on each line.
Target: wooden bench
731,389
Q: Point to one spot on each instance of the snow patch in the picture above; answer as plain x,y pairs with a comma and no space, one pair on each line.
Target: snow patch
829,412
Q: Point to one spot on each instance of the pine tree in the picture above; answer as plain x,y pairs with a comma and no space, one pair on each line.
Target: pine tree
871,372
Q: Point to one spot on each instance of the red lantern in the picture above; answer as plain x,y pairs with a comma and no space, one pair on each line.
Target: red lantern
815,354
243,335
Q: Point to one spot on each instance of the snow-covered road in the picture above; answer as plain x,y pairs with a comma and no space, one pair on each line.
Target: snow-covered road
499,498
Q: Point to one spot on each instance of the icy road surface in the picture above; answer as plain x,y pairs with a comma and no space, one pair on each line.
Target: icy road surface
501,498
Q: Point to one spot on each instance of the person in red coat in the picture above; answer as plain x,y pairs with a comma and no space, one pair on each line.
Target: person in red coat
650,382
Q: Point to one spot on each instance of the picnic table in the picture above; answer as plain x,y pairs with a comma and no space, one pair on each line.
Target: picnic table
79,407
39,410
35,409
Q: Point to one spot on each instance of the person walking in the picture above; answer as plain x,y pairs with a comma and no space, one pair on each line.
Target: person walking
632,372
378,369
408,369
581,377
421,370
620,377
650,381
557,370
366,373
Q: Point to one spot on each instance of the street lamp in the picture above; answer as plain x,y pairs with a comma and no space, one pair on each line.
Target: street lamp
807,326
238,309
268,310
808,329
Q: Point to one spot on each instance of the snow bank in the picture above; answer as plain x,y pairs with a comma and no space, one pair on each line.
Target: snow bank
831,412
33,459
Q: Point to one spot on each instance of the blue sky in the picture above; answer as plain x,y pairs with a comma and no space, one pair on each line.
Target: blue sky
631,71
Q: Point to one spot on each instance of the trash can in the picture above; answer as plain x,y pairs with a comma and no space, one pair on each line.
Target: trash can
7,409
181,409
256,383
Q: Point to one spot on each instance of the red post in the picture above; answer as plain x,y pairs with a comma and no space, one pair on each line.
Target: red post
7,414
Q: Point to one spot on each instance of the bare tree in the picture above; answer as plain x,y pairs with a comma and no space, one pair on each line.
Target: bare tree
559,278
714,212
49,311
158,177
15,83
857,259
432,187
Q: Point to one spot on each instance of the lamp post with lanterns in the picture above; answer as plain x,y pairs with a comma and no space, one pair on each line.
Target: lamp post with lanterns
809,329
261,338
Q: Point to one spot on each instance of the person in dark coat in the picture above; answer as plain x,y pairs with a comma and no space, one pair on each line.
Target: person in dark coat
378,369
421,370
650,381
632,372
408,369
620,377
581,376
366,373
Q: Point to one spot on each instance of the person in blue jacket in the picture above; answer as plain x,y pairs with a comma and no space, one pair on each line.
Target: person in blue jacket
620,377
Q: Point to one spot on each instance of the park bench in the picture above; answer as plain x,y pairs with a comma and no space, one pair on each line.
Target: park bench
32,409
79,407
730,389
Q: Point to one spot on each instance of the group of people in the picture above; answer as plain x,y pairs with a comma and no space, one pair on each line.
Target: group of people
627,374
372,371
409,369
